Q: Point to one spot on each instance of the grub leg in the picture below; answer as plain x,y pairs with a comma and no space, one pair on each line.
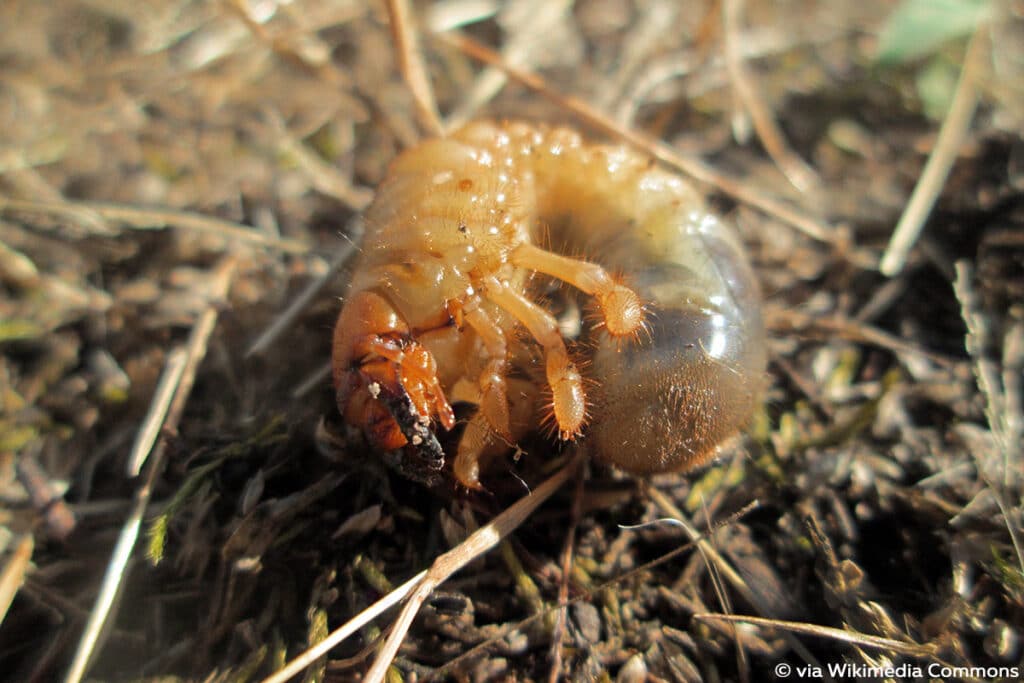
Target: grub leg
621,309
493,391
480,442
568,399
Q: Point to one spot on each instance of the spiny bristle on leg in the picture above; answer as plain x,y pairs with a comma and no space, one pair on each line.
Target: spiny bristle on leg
623,311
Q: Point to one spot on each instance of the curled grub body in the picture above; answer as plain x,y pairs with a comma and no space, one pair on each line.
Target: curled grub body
453,241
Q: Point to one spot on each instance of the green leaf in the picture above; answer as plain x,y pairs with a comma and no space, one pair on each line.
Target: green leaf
919,27
936,83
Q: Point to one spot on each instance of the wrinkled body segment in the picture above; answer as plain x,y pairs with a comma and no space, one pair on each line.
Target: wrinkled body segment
441,308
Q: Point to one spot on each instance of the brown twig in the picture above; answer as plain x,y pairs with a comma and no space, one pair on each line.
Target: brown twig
696,169
447,564
795,169
420,586
410,62
145,219
940,162
727,571
14,572
863,639
563,586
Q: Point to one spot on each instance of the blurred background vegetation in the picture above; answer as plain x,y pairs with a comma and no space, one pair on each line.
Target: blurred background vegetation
173,174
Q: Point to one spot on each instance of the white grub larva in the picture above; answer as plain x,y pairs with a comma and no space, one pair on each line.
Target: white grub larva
456,233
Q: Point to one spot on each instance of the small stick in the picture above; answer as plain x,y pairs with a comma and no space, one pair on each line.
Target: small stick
940,163
340,634
14,573
410,62
563,586
145,219
299,304
423,583
913,649
796,170
114,577
479,542
157,413
694,168
726,569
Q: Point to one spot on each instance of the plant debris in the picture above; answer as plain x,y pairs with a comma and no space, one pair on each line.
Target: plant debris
174,175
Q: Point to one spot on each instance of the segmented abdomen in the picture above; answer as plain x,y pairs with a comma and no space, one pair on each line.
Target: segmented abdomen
662,403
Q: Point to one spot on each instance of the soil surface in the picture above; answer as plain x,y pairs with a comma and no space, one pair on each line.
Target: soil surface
175,169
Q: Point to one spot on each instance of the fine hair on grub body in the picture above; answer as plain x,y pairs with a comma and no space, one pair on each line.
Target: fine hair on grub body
452,241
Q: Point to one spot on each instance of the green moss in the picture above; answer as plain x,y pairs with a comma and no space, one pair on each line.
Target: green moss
19,329
15,437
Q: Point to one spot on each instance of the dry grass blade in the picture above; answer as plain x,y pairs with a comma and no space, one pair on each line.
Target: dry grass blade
940,162
793,167
170,379
563,585
145,219
113,579
421,585
742,658
316,379
863,639
727,571
410,61
525,40
14,573
325,177
853,330
282,322
339,635
694,168
482,540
